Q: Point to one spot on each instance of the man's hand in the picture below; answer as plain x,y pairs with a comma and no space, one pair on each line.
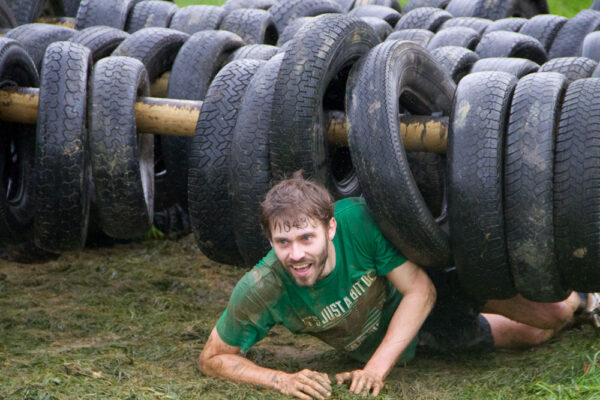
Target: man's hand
361,381
305,384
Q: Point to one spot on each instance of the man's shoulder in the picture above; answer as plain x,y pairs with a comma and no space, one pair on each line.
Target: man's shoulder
265,278
350,206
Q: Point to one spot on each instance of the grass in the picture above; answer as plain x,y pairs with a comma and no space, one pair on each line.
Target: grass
127,322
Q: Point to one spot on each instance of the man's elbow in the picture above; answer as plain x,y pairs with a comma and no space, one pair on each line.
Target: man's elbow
204,363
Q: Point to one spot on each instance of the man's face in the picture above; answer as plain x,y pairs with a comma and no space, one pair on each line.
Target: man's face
304,249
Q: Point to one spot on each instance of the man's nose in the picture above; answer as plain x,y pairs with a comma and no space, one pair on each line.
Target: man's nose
297,252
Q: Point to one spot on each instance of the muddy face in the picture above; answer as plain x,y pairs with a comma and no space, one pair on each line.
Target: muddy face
304,249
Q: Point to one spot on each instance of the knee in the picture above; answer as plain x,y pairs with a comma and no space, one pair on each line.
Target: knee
555,316
532,337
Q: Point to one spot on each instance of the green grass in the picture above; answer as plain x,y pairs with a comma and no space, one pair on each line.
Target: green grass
127,322
560,7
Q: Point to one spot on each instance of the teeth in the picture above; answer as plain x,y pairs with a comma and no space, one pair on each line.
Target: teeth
300,266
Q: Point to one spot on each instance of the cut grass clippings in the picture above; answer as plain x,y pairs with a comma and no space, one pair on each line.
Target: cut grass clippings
128,322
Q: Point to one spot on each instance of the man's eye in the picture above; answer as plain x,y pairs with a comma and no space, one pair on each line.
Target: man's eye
306,238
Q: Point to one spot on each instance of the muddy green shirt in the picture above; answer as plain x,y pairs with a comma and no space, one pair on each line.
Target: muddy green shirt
350,309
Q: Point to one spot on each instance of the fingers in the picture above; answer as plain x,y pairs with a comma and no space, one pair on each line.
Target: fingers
343,377
361,382
315,384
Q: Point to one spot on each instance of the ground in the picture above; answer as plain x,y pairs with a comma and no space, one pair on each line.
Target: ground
128,321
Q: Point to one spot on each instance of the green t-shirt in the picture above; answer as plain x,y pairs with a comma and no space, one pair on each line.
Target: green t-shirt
350,309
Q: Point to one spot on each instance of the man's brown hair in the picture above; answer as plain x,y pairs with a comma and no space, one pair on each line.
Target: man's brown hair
292,200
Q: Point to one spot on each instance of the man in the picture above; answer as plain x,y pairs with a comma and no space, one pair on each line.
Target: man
336,277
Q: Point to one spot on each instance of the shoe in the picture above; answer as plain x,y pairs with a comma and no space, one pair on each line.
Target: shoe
589,310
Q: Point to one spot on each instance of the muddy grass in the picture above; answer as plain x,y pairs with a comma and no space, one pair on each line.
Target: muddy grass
128,321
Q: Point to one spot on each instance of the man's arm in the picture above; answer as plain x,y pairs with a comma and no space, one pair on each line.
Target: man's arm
418,298
220,360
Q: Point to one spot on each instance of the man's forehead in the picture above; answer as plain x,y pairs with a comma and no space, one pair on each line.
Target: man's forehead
286,225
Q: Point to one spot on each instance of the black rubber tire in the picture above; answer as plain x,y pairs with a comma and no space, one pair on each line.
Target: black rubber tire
460,36
192,19
569,39
103,12
475,164
312,79
173,222
429,173
7,17
573,68
528,175
518,67
146,14
418,36
412,4
254,52
231,5
210,202
195,66
591,46
511,44
122,160
36,37
250,171
62,170
429,18
457,61
17,145
388,14
28,11
379,26
544,28
511,24
101,40
377,151
286,11
479,24
291,29
595,5
386,3
496,9
253,26
71,7
576,196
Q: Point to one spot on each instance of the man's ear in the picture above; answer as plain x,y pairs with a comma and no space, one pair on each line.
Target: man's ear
332,226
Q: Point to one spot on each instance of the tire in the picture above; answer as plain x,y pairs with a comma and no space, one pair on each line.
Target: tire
544,28
591,46
17,144
386,3
595,5
497,9
7,17
195,66
573,68
511,44
312,79
455,36
345,5
518,67
103,12
388,14
479,24
528,175
62,170
418,36
286,11
291,29
146,14
210,202
377,151
457,61
122,160
101,40
253,26
36,37
511,24
475,165
192,19
250,172
71,7
231,5
423,18
28,11
254,52
575,186
412,4
569,39
173,222
379,26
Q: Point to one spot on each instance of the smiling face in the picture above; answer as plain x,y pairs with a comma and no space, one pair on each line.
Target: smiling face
304,248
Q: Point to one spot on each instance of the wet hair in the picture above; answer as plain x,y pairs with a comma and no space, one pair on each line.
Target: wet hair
294,199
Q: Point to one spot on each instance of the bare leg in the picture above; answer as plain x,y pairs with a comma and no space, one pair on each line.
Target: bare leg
510,334
547,316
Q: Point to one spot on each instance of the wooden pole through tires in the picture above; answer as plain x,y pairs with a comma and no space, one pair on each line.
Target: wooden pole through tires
164,116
